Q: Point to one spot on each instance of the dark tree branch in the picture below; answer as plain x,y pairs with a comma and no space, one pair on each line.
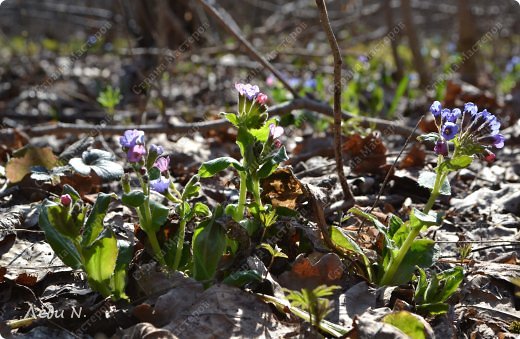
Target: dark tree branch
283,108
324,18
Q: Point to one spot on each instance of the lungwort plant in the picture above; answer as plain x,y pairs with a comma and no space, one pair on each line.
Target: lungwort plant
260,148
462,136
81,241
151,168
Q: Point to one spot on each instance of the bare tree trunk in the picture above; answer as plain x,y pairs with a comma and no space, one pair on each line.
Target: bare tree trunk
415,46
394,42
165,23
467,38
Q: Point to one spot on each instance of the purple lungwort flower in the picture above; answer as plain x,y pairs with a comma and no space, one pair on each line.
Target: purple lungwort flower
247,90
160,185
471,108
135,153
163,164
156,149
441,147
131,138
450,115
311,83
449,130
496,140
436,108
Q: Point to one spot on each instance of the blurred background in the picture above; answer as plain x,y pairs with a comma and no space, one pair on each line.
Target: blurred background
150,60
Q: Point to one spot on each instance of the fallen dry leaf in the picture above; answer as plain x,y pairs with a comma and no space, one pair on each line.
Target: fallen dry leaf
367,154
19,166
312,271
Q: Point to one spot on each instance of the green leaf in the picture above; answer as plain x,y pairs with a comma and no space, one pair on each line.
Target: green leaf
245,141
202,210
344,241
394,224
133,199
101,162
419,219
208,246
232,118
62,246
192,188
100,262
242,278
124,257
159,215
267,168
430,138
212,167
407,323
61,219
460,162
262,134
452,279
420,254
94,224
427,179
251,226
433,309
422,283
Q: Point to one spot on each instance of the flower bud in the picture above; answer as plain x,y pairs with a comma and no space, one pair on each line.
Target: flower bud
65,200
441,147
142,170
261,98
489,156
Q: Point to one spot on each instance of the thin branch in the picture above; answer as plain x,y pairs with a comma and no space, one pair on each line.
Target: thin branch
229,24
387,177
324,18
204,126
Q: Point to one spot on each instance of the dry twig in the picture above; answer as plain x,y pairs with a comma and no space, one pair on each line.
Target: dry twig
337,100
187,128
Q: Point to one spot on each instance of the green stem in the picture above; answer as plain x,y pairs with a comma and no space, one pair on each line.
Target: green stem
395,262
146,222
180,243
256,192
241,197
158,254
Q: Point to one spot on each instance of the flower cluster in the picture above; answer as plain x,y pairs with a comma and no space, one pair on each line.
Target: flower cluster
133,143
472,131
251,105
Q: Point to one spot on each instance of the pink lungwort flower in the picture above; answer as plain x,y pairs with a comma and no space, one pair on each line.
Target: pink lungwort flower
135,153
163,164
275,131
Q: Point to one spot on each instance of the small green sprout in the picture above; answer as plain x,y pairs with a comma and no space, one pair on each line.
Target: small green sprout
313,301
109,98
